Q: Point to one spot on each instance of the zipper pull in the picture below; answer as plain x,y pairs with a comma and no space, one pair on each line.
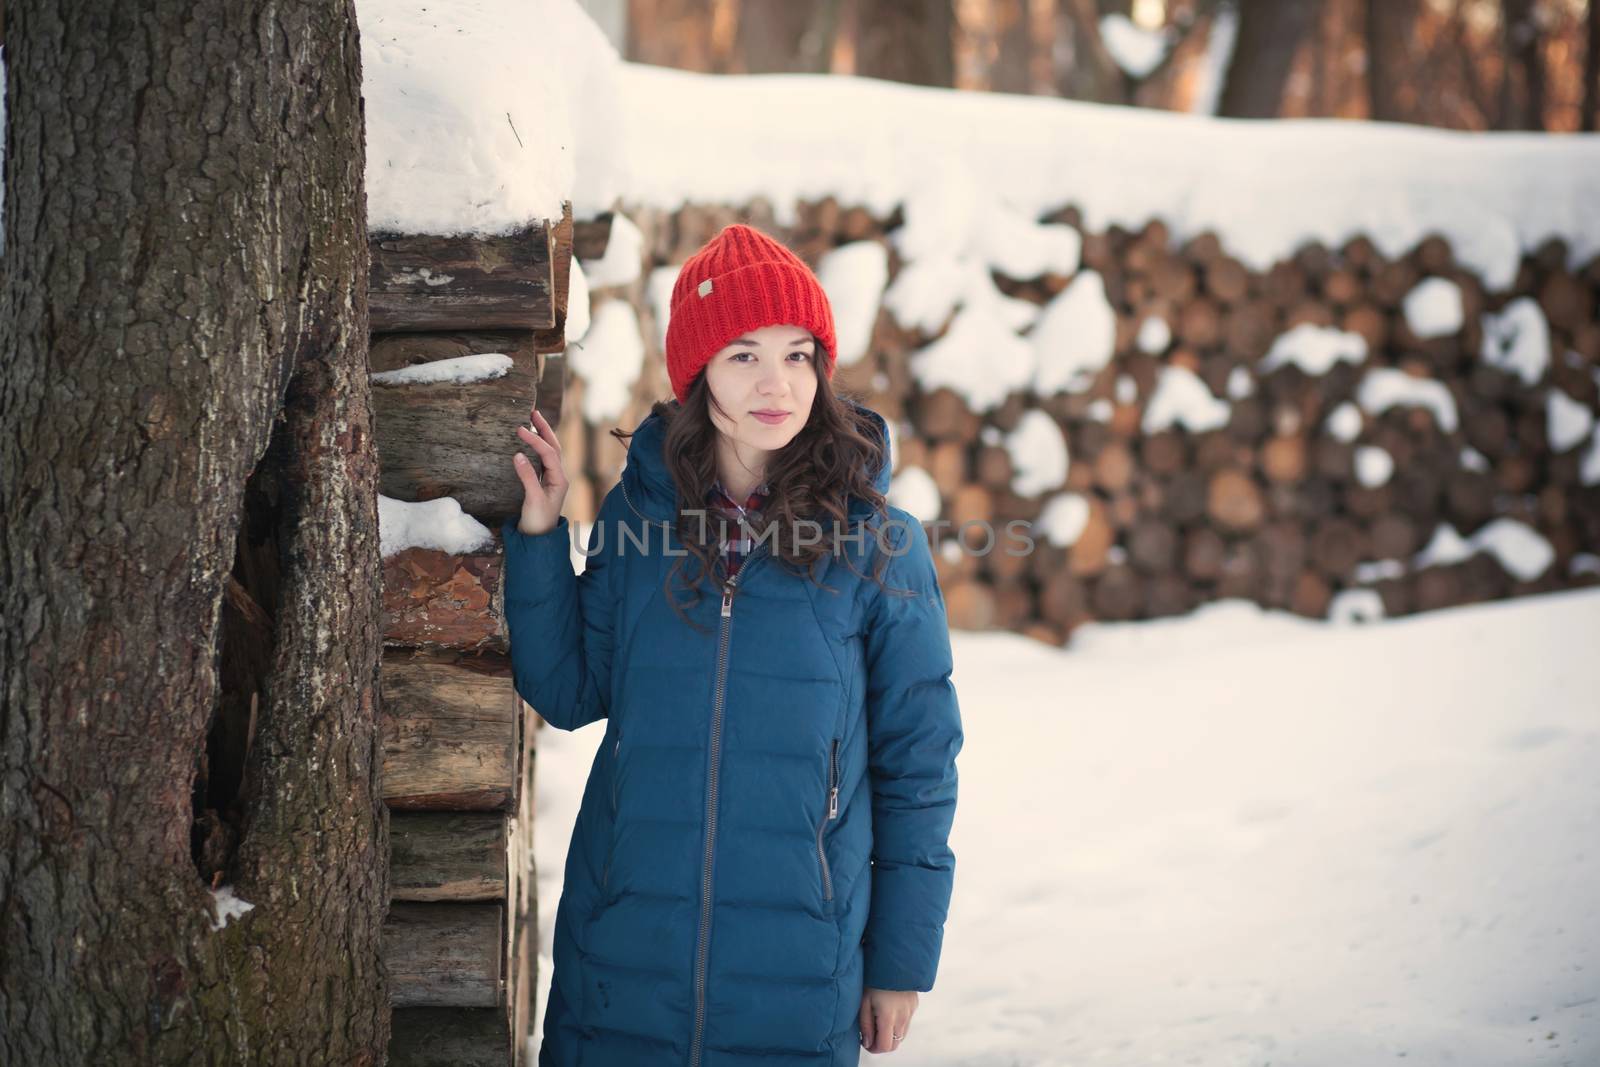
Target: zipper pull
833,803
727,600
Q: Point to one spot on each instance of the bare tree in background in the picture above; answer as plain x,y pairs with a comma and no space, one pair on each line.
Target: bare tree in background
1271,33
1392,69
1522,87
1012,71
1591,71
906,40
1084,68
687,34
186,435
785,36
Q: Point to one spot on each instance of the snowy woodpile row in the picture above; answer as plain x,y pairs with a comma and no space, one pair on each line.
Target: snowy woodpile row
1342,434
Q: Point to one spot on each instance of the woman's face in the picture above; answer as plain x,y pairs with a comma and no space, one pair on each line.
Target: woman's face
765,381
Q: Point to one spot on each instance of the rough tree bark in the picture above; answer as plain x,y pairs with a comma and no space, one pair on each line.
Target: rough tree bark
1270,34
907,41
183,304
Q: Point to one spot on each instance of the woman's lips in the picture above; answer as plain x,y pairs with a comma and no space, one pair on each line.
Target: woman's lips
769,418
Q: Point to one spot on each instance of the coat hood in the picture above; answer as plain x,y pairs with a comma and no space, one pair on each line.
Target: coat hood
647,482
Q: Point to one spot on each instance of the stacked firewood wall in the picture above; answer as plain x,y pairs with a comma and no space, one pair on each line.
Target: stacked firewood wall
1267,507
461,938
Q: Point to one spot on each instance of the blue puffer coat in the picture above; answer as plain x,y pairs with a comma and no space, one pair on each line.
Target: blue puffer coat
765,826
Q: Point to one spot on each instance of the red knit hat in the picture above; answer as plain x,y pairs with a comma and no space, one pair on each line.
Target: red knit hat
740,280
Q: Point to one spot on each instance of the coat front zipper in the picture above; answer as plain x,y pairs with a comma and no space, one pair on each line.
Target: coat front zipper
713,769
833,813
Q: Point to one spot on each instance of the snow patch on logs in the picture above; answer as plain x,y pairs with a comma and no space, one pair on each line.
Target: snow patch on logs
457,370
609,360
623,258
658,292
1567,422
854,277
1522,551
1374,466
1155,335
1434,308
467,135
439,524
578,307
1181,398
1063,518
1491,199
1314,349
1345,422
1075,337
1039,457
980,358
1589,468
914,490
1354,606
1385,387
1517,340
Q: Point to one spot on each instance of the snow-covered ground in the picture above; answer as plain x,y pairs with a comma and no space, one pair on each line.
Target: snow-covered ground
1245,839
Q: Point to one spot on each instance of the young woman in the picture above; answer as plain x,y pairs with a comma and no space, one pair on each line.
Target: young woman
760,870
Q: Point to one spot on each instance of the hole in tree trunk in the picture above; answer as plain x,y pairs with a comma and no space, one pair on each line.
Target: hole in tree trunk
249,606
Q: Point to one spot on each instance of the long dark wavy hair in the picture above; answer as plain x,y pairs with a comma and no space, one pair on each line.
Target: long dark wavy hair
812,478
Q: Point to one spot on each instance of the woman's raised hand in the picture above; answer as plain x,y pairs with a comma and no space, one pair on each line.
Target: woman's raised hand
541,501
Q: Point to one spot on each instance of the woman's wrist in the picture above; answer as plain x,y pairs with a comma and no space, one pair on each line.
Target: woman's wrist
523,527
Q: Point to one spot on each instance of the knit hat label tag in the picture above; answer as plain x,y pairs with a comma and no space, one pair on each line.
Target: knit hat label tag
705,287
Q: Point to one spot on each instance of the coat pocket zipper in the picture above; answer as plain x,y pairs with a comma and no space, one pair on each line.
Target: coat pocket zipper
833,813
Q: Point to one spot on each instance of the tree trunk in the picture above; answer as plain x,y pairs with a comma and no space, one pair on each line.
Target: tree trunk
1084,68
1522,85
1589,121
907,41
184,316
1013,61
686,34
1391,27
781,36
1270,34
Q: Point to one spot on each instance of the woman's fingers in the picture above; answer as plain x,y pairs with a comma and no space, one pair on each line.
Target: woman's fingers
549,454
543,429
879,1027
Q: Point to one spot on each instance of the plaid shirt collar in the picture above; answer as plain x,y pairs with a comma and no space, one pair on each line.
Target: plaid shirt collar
719,496
738,544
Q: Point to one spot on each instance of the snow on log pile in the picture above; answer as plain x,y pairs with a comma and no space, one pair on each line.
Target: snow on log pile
1358,377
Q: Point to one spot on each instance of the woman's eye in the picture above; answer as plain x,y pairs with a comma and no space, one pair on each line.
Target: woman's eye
803,355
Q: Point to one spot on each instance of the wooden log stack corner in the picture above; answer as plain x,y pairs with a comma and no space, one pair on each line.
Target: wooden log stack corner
461,937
